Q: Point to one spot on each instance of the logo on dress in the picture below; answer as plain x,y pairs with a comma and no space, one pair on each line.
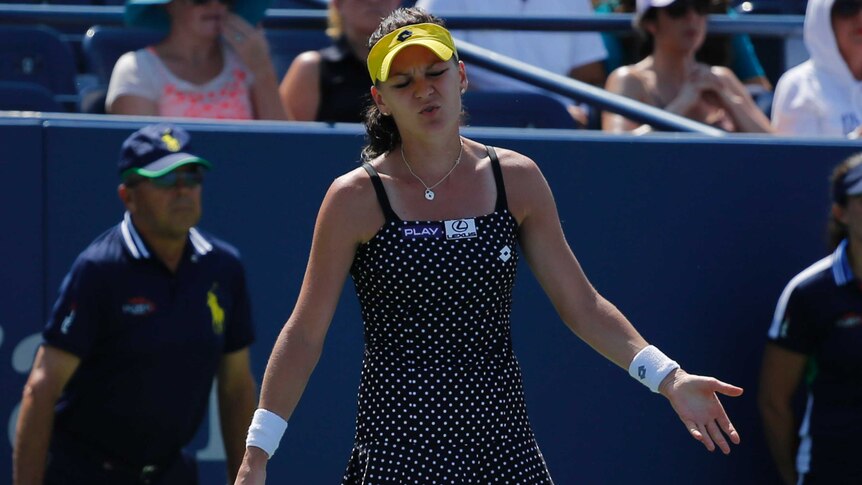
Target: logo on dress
461,229
423,231
216,310
506,253
139,306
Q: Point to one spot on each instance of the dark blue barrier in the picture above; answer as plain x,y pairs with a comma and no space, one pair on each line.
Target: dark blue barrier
692,238
22,277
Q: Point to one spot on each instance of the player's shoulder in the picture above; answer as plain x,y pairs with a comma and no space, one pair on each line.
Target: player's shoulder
814,279
518,169
513,161
352,202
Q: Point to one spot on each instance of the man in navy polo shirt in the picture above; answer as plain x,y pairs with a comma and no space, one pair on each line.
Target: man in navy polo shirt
149,314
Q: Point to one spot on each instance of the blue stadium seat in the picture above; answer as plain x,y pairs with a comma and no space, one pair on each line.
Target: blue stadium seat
285,45
103,45
516,109
27,96
38,55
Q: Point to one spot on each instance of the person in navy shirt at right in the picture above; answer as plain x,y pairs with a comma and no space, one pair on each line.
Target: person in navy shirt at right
816,334
150,313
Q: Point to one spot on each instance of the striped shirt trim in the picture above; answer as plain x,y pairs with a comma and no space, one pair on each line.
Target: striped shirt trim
841,270
781,308
139,250
132,239
803,454
202,246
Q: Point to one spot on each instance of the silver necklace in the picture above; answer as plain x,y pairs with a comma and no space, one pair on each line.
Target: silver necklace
429,190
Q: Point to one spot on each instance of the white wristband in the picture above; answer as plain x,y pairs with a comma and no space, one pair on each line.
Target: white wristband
650,366
265,431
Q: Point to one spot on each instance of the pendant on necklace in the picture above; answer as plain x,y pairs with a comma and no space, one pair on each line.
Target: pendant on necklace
429,194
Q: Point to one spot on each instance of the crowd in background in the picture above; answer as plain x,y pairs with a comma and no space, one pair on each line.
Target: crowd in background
213,59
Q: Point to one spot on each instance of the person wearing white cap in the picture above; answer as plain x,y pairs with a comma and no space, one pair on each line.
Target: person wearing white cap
431,228
672,79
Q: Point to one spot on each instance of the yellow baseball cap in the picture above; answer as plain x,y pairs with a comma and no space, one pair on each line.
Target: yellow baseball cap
433,36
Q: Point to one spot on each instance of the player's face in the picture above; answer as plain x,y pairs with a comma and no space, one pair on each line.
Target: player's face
169,207
422,92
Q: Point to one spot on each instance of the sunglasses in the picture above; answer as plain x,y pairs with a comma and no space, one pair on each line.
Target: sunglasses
198,3
679,8
172,179
846,8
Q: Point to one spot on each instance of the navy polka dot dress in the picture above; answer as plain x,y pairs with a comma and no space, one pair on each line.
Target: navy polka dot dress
441,398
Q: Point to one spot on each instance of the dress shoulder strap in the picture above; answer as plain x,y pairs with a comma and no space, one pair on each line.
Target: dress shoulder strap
502,202
382,199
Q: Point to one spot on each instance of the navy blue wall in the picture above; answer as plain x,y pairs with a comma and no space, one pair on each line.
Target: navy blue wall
692,238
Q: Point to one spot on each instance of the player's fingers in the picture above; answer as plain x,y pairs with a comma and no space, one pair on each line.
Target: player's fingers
717,437
726,426
706,439
693,430
728,389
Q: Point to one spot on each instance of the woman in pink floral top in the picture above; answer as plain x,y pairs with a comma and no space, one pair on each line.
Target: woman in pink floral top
212,64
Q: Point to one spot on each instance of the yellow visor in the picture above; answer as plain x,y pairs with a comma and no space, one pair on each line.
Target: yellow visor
431,36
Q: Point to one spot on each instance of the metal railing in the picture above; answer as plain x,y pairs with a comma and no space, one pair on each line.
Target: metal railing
314,19
759,25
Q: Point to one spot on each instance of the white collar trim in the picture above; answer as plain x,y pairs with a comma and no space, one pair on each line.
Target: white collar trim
139,250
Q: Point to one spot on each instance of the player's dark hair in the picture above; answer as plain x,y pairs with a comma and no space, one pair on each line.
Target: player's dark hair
836,231
381,132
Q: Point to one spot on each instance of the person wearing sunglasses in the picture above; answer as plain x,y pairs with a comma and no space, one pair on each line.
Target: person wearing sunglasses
212,63
671,77
149,314
823,95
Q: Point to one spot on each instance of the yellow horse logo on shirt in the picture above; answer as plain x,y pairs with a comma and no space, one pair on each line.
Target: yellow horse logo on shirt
216,310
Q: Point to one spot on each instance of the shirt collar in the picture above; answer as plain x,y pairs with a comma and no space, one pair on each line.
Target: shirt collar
138,249
841,269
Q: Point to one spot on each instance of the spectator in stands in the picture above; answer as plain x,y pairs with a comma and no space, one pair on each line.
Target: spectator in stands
149,314
671,78
331,84
212,64
735,51
823,96
815,335
579,55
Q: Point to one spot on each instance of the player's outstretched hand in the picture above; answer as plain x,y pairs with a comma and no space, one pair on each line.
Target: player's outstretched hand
695,401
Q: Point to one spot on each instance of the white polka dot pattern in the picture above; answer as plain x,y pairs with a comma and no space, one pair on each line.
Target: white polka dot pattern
441,398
